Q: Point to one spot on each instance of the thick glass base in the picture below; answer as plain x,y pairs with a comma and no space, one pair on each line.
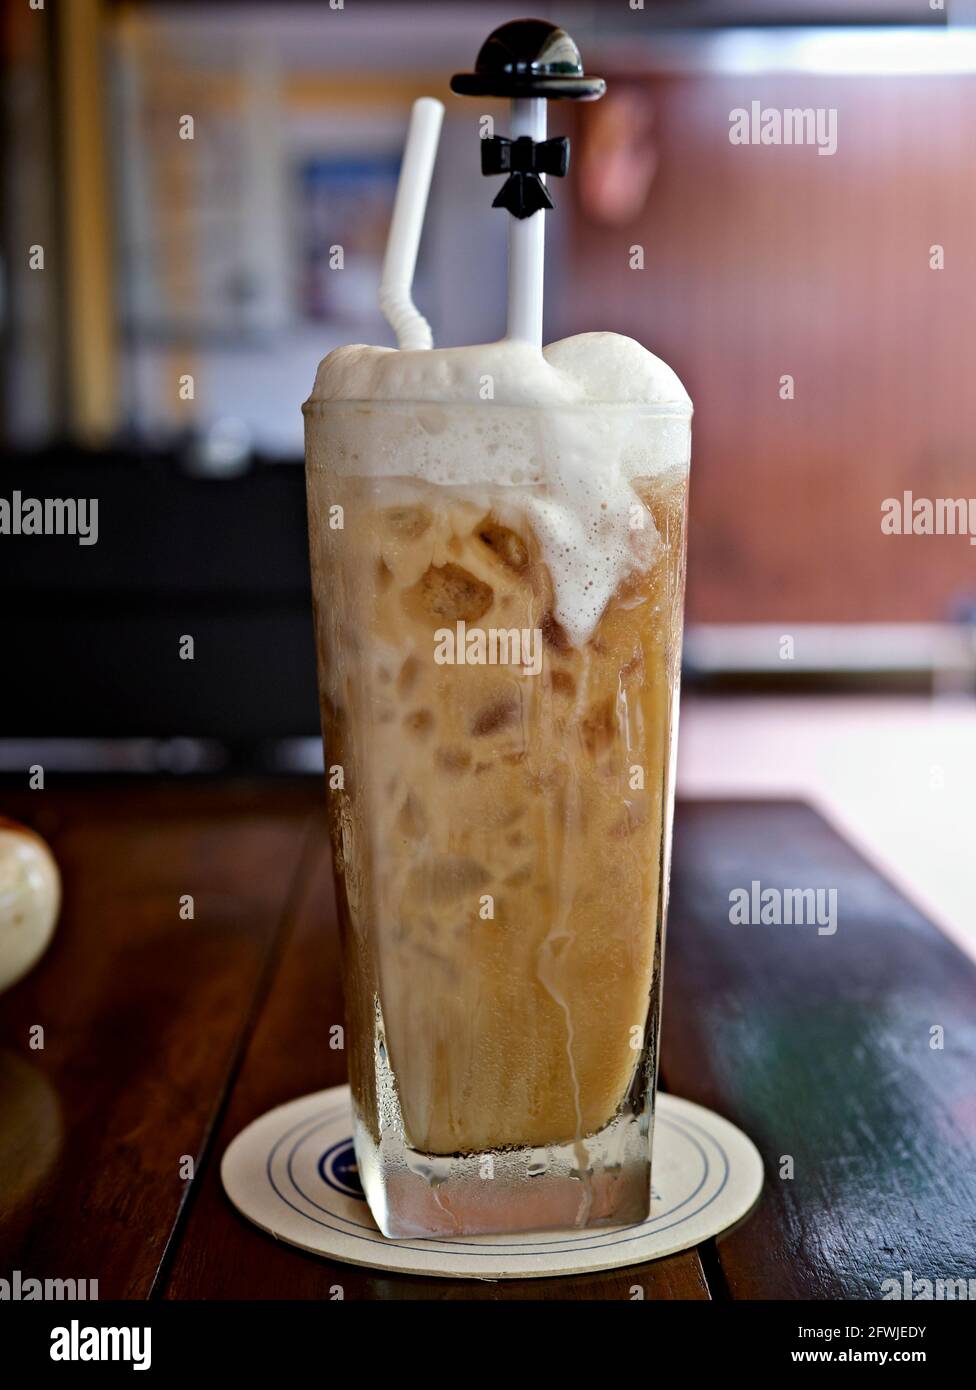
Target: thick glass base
605,1179
602,1179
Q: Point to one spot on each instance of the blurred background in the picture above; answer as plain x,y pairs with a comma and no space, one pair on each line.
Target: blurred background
823,657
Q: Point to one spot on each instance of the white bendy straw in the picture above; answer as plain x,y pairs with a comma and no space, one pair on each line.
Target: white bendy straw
408,323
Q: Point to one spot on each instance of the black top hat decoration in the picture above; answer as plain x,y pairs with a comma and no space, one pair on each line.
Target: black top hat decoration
526,59
532,62
529,58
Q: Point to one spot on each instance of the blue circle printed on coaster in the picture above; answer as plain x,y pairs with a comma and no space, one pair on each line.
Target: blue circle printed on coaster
337,1168
293,1173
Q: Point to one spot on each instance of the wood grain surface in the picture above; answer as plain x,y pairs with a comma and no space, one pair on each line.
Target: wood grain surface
821,1048
144,1016
164,1037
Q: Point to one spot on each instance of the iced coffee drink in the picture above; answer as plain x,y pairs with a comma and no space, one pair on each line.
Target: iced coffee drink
497,548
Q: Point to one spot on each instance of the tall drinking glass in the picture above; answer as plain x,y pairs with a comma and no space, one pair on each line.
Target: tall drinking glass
498,672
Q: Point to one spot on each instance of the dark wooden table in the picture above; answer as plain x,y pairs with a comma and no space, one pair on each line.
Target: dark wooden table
163,1037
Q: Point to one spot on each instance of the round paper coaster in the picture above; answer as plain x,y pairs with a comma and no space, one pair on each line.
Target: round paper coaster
293,1173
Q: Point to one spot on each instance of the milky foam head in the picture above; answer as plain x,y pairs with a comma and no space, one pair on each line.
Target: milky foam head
589,369
569,427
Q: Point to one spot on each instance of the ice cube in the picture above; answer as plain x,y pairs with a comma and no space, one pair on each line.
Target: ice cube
563,684
407,523
507,544
453,593
419,722
497,714
445,878
453,759
408,675
598,726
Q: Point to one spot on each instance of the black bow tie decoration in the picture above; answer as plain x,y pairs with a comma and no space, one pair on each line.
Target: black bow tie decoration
524,159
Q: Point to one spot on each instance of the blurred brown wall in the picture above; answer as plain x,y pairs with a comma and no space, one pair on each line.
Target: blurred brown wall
767,260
